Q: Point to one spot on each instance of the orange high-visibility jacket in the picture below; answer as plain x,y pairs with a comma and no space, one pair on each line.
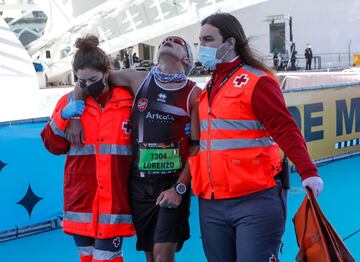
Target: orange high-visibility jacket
96,174
237,155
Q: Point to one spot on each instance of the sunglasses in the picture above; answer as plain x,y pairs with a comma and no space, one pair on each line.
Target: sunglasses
174,39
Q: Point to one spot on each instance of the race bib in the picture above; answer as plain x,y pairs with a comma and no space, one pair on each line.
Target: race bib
159,157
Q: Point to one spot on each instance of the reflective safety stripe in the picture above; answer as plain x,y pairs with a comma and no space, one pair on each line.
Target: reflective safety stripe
115,150
78,217
203,144
232,124
55,129
203,125
115,219
236,124
253,70
103,150
227,144
106,255
85,251
82,150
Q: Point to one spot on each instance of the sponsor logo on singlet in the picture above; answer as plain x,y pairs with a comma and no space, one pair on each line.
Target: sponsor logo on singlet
142,104
161,98
160,118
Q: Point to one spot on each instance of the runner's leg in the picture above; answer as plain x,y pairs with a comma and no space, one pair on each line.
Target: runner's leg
164,252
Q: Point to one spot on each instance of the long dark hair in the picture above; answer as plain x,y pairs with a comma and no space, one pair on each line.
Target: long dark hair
89,55
229,26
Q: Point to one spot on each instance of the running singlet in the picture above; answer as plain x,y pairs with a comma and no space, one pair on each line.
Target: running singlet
159,115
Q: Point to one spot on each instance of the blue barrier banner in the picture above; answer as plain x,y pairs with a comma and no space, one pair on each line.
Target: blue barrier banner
31,179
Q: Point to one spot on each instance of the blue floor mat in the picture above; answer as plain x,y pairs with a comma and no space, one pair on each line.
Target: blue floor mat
339,201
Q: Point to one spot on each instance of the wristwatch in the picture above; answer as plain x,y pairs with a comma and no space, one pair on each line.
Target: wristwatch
180,188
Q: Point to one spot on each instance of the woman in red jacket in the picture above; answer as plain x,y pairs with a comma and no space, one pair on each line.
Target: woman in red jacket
96,208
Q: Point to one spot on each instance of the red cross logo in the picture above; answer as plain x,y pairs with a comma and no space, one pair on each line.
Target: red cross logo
239,81
117,242
273,259
126,126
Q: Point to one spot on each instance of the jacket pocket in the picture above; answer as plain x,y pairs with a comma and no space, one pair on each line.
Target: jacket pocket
196,175
232,97
76,191
245,173
80,183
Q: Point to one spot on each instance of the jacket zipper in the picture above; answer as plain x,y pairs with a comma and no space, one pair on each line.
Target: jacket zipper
209,127
208,154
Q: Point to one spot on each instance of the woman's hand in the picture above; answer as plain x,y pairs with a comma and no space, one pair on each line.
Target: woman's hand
74,108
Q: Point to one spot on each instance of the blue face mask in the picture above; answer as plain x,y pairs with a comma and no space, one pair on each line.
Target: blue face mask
207,56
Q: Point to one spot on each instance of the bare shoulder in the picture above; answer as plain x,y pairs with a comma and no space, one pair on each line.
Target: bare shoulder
126,74
128,77
137,77
195,94
194,97
135,73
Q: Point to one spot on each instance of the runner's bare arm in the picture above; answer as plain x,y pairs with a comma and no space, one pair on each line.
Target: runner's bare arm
169,198
74,131
194,110
124,78
195,134
127,78
79,93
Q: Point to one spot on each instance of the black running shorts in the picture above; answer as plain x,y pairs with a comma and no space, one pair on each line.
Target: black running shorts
156,224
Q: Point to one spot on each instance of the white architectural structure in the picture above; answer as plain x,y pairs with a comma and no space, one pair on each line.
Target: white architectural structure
19,83
330,26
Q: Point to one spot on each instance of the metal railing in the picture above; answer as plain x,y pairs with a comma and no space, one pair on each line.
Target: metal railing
30,230
337,60
321,61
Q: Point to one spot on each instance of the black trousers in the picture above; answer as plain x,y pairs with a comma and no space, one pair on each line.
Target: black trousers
244,229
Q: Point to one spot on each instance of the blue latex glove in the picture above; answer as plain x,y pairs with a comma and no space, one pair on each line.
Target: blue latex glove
74,108
188,129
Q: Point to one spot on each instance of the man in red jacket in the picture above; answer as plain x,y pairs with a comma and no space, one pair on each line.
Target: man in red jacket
243,123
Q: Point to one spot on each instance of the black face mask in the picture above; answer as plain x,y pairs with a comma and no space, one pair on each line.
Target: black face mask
95,89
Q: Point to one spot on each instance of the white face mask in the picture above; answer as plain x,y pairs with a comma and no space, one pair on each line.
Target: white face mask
207,56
